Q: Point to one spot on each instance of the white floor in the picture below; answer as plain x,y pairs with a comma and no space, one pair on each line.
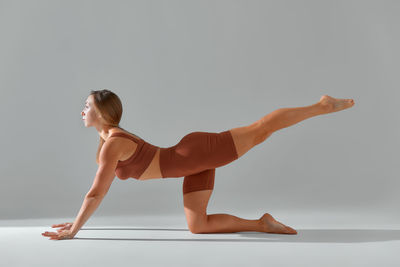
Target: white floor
166,241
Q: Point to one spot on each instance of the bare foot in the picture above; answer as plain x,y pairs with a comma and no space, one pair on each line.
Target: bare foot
332,104
270,225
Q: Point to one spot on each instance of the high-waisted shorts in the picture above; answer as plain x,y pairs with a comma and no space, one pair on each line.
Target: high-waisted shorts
195,157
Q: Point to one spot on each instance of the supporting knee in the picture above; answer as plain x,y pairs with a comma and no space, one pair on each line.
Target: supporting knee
194,231
198,227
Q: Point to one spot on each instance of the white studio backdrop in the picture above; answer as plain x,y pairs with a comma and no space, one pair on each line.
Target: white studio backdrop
184,66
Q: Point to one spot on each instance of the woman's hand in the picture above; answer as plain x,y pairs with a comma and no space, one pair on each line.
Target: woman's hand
63,233
64,226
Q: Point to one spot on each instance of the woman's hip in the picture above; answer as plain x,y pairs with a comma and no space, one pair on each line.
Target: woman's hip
197,151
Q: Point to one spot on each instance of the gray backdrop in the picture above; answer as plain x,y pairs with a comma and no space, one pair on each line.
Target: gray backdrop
183,66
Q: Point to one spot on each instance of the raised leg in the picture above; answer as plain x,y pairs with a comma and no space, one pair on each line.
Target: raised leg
249,136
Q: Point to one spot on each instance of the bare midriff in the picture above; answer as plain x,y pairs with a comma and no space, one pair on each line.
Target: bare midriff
153,171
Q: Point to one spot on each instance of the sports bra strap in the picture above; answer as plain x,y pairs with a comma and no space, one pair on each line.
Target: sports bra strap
136,140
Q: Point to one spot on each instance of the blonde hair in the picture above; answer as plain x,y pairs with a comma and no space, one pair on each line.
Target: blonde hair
109,106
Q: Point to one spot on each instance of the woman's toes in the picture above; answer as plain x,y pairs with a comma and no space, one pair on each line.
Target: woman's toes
273,226
289,230
292,231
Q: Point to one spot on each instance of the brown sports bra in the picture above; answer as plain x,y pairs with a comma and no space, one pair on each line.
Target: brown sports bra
138,162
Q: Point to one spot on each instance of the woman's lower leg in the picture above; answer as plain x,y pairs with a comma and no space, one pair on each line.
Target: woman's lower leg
226,223
285,117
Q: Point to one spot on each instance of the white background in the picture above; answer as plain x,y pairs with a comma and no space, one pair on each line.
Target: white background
183,66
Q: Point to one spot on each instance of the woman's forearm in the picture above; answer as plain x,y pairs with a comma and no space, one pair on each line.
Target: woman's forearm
89,205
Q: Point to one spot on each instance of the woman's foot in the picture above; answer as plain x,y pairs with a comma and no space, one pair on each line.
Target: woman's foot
332,104
270,225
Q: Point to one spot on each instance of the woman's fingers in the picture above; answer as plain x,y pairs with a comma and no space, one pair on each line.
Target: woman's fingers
50,234
60,235
61,225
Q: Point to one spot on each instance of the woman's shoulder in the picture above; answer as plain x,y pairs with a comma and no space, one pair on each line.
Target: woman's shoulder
123,139
120,143
122,134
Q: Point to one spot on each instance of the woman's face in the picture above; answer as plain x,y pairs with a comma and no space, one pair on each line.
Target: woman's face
89,115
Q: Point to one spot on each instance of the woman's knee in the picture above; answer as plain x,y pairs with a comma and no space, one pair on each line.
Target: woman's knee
196,222
195,206
198,227
261,135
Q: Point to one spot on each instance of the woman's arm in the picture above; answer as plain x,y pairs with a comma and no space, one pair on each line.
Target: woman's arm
108,160
89,205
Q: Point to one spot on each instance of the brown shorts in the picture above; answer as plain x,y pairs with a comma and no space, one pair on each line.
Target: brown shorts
196,156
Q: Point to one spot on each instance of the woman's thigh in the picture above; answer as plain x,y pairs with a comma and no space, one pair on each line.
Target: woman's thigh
246,137
195,206
197,189
198,181
198,151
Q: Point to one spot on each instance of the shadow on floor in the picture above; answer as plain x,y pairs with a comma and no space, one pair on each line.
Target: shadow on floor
331,236
303,236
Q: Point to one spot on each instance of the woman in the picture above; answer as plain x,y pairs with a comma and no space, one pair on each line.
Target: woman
195,157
